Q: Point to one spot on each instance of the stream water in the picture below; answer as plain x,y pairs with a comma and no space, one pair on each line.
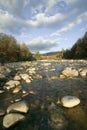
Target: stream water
42,97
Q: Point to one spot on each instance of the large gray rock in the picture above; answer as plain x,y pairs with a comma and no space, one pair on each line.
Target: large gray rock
21,106
11,119
70,101
69,72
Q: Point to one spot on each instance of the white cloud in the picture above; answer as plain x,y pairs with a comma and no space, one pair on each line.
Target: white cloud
12,6
9,23
81,18
42,44
6,19
41,19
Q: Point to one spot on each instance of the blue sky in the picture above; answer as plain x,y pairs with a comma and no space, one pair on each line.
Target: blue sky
44,25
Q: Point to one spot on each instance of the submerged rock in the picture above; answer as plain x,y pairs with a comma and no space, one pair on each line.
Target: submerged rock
70,101
11,119
21,106
57,120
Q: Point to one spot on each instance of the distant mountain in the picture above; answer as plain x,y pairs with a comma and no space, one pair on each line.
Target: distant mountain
51,53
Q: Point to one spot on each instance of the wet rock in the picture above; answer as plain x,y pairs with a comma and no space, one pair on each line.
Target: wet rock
69,72
17,89
17,100
11,119
62,76
21,106
17,78
24,76
2,112
2,76
70,101
2,91
83,72
8,70
11,84
32,70
28,81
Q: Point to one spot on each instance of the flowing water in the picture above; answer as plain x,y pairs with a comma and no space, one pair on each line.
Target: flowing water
43,93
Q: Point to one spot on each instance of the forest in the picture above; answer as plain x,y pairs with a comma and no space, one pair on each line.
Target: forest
12,51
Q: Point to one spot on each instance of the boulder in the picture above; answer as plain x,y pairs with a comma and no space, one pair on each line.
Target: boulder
21,106
11,119
69,72
70,101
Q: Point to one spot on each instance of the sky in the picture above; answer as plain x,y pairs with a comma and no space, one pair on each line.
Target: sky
44,25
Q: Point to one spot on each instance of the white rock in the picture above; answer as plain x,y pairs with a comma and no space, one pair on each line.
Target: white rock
83,72
17,77
70,101
21,106
69,72
2,91
11,119
12,84
24,76
17,89
28,81
31,70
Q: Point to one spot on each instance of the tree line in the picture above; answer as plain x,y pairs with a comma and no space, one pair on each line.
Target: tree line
78,50
11,51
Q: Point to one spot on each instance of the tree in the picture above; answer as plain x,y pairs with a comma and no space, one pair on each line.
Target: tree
37,55
11,51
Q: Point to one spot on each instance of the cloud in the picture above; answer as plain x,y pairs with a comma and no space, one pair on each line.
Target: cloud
9,23
42,44
81,18
43,20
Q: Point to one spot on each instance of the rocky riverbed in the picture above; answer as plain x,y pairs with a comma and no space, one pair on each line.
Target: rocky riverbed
32,95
